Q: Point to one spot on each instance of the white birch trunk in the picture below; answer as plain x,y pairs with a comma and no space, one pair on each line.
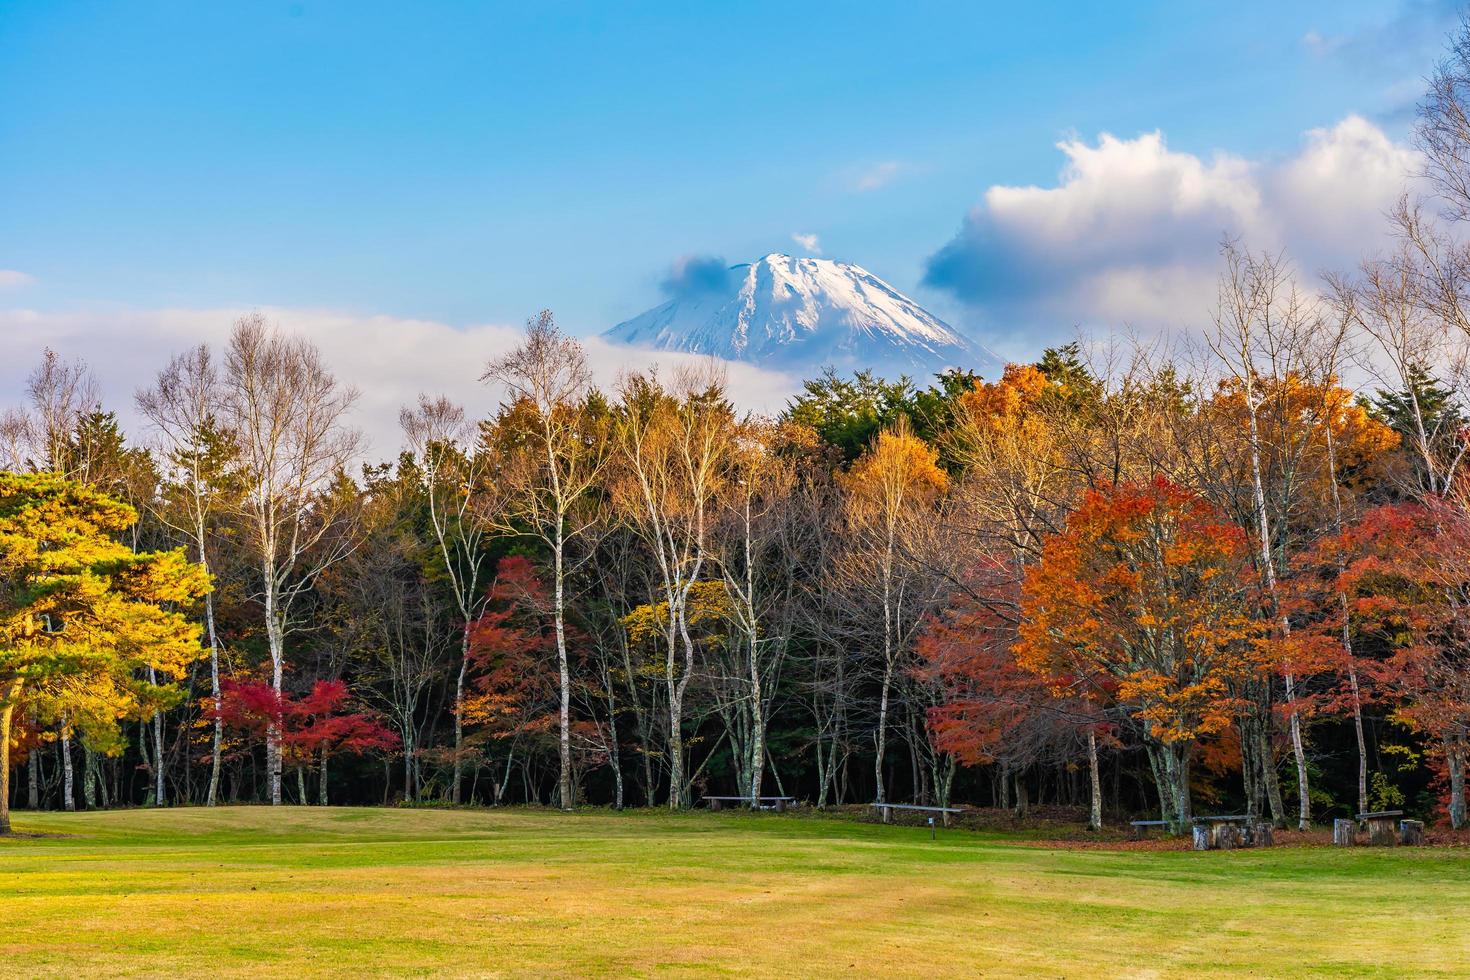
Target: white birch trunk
158,774
1304,800
211,796
1094,778
564,740
277,650
881,738
1347,637
464,663
68,790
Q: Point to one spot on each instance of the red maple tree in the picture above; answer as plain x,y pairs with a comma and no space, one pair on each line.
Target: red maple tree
313,727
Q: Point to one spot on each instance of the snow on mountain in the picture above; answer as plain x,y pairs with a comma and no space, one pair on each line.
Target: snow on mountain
800,315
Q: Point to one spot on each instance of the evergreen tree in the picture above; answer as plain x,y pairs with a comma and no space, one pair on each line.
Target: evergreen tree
81,612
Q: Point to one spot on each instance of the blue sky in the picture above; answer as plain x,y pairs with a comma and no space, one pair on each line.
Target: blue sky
405,183
472,162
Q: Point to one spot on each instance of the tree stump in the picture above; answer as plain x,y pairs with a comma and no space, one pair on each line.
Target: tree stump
780,806
1344,832
716,804
1381,833
1201,837
1261,836
1227,837
1411,832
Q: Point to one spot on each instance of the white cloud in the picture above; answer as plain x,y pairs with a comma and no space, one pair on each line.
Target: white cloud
751,388
1332,196
878,176
389,360
808,241
1130,233
13,279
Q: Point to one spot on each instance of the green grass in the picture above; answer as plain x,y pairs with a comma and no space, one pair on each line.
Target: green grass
254,891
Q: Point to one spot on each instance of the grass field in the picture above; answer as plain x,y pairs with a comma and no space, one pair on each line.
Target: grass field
306,891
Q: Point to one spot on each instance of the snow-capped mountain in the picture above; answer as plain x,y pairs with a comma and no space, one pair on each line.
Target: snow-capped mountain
801,315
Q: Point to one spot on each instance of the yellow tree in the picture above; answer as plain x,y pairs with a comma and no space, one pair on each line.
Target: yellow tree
673,463
889,497
80,612
1016,484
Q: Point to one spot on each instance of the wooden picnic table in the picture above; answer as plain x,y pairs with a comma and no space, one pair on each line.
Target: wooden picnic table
777,803
1381,830
1220,832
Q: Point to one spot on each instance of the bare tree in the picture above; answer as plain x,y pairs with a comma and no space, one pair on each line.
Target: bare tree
1405,307
443,442
554,452
759,577
1267,333
42,437
183,407
287,414
890,496
673,463
621,577
394,623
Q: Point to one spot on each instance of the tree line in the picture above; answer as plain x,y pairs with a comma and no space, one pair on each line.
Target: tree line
1128,577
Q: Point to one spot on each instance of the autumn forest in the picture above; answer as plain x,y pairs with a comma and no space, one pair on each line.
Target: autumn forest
1136,580
1226,570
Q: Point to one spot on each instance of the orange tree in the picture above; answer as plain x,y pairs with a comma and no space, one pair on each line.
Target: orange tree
1144,601
890,496
79,610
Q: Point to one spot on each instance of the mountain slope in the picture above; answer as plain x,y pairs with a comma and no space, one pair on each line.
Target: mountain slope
800,315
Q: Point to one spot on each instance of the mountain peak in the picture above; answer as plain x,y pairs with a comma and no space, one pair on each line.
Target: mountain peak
802,314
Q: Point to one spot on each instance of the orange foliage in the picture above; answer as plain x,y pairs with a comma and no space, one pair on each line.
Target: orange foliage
1002,403
1145,598
1298,409
994,709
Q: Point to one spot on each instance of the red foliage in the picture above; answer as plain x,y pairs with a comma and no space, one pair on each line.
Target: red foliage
1399,581
1406,571
314,725
512,649
994,709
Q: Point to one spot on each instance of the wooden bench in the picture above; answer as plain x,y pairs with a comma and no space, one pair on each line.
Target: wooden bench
777,803
1381,830
1140,827
944,811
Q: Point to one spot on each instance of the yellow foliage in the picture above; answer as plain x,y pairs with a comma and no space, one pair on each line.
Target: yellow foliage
708,603
81,614
897,469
